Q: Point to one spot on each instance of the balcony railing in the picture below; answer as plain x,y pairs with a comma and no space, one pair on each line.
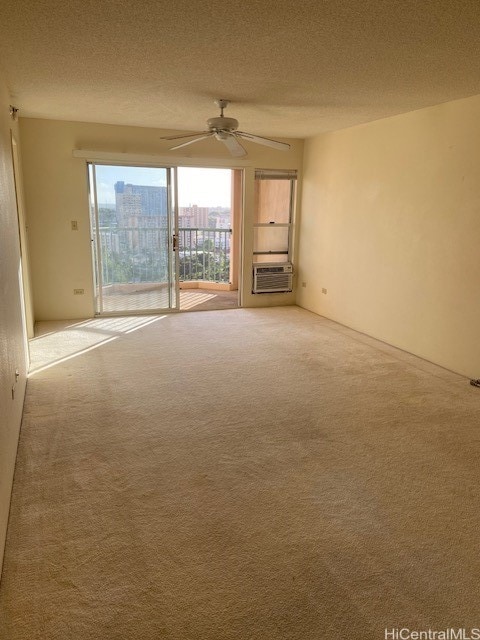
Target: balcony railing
139,254
204,254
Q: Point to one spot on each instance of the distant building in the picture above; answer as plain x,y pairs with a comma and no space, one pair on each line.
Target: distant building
140,208
193,217
139,199
109,240
223,222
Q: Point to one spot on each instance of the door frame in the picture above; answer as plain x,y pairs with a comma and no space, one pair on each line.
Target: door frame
172,239
100,158
28,322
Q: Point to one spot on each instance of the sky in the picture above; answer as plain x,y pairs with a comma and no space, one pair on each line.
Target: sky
204,187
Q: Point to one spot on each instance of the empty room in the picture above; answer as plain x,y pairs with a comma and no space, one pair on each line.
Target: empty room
239,361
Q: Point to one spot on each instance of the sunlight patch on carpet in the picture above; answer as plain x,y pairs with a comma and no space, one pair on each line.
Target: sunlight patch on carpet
72,340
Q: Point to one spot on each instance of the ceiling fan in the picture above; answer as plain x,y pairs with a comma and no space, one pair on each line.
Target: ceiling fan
226,130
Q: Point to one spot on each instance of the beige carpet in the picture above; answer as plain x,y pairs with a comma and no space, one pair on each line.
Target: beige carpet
243,474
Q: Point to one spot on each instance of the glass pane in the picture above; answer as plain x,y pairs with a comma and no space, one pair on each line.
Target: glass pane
271,257
272,201
272,238
204,225
132,238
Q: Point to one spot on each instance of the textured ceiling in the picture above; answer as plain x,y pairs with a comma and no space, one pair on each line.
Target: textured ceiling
291,69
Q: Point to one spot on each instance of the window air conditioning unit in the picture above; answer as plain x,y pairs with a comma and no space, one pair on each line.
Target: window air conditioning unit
272,277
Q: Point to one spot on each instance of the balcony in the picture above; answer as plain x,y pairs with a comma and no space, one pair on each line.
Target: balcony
135,268
137,255
204,255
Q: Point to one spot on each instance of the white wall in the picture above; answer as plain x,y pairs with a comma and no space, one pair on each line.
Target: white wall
391,229
12,342
56,193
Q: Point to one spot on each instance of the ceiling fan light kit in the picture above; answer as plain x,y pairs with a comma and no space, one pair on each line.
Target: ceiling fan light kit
226,130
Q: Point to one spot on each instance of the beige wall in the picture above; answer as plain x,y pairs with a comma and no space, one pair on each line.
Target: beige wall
12,337
56,193
391,229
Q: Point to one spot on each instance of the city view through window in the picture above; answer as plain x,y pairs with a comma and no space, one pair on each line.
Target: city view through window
204,224
134,227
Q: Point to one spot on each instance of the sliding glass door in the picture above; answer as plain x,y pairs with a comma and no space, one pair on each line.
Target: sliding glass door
133,216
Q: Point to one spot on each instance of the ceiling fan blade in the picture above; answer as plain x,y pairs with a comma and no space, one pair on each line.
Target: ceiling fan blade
282,146
185,144
183,135
234,146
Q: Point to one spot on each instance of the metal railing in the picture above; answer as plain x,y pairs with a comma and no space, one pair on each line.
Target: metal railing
204,254
140,254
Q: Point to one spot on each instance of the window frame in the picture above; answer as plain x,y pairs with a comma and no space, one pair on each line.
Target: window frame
276,174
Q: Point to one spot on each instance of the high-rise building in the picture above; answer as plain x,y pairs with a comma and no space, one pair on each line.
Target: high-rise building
140,209
140,199
193,217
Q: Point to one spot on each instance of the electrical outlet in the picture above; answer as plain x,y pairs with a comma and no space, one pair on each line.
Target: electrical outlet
74,225
304,284
324,290
78,292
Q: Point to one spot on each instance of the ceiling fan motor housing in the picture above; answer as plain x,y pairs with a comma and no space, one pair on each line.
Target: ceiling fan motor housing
221,123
